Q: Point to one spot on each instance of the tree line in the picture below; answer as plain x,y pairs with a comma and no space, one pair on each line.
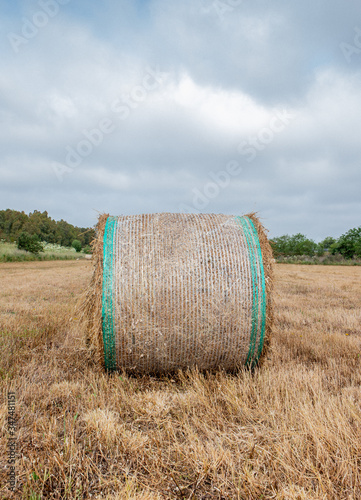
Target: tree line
348,245
38,226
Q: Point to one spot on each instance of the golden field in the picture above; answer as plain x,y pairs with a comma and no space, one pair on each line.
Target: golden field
289,430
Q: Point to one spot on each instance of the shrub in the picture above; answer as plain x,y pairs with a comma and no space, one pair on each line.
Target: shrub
76,245
30,243
87,249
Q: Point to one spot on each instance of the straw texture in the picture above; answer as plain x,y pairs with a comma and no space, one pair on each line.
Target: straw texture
180,290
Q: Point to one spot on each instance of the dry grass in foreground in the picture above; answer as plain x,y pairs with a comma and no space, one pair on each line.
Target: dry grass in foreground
290,430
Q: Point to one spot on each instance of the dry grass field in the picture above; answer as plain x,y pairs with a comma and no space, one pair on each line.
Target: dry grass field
289,430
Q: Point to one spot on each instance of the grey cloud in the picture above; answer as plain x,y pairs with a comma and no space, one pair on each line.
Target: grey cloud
277,55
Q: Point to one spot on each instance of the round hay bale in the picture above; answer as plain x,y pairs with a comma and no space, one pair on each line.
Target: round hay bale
175,291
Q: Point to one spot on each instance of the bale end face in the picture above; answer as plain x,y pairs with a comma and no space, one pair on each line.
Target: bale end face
90,308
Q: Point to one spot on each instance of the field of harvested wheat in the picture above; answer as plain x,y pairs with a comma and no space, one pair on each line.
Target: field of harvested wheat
289,430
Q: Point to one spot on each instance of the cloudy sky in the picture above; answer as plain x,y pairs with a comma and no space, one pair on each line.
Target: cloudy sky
220,106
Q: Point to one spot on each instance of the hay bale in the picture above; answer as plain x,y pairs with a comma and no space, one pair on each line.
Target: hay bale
172,291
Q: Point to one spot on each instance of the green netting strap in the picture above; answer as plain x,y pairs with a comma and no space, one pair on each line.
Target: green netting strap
253,264
263,301
108,291
259,296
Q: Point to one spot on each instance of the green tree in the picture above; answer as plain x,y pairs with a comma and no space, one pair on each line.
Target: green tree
297,244
301,245
77,245
358,249
325,245
320,250
328,242
30,243
13,223
349,244
280,245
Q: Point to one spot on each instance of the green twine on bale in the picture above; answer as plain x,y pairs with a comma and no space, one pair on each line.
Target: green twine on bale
259,299
107,297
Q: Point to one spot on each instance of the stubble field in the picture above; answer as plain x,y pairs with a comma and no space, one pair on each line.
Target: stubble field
289,430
